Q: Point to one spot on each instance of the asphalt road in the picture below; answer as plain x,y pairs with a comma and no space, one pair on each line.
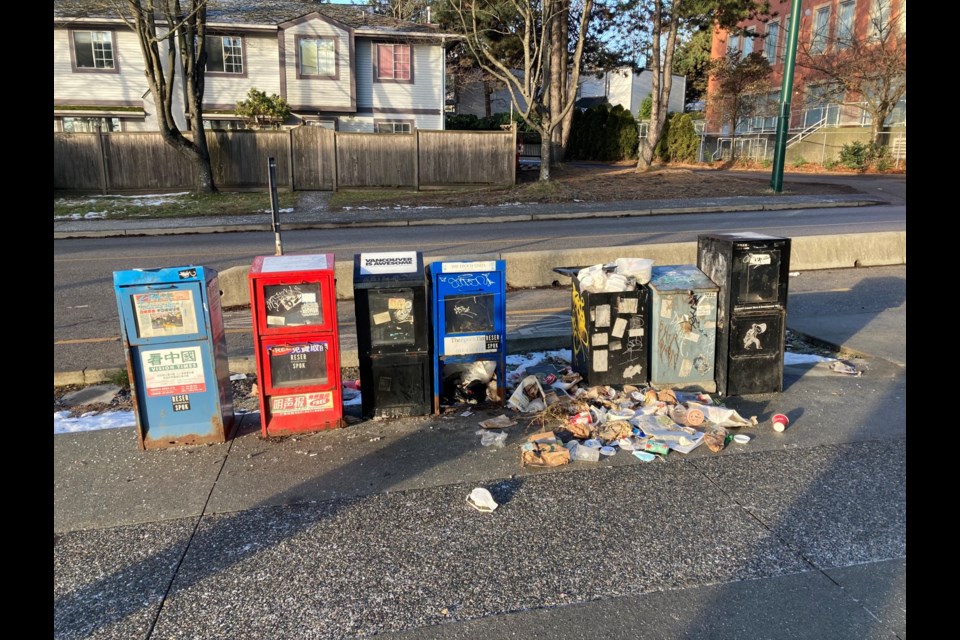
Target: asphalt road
85,312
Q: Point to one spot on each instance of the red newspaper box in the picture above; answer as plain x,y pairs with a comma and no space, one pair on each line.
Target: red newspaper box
297,343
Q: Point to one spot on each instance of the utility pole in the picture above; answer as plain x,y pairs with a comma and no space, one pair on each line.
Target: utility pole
786,90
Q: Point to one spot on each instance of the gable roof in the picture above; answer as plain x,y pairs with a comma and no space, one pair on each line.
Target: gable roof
265,12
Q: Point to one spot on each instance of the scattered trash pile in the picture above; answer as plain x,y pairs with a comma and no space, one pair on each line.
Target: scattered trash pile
580,423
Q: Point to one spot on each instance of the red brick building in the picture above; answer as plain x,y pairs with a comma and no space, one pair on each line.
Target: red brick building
824,25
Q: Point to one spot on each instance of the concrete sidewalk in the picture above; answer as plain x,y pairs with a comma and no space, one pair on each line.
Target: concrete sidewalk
320,218
365,531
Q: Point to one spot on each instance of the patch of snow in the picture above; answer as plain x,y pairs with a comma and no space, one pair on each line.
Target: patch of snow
149,195
790,358
89,215
63,423
511,204
522,362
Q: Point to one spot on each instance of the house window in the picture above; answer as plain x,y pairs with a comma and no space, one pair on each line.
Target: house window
393,127
786,39
748,41
770,44
845,23
90,125
318,57
733,44
93,49
821,25
393,62
224,125
224,54
879,19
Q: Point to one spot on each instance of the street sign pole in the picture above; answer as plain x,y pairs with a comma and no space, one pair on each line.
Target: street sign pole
274,203
786,89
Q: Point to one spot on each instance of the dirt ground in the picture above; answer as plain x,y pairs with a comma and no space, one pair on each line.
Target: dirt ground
599,183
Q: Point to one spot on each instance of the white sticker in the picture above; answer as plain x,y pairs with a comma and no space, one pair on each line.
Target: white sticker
599,339
603,315
388,262
686,367
666,308
636,332
276,321
692,336
273,264
396,303
308,296
758,258
309,309
627,305
704,310
465,345
600,360
381,318
168,372
467,267
635,370
710,324
619,327
616,345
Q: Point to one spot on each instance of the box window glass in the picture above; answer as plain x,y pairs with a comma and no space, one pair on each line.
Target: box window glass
469,314
756,277
391,317
293,305
298,365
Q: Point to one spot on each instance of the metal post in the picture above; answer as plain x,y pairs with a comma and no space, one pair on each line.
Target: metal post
274,203
786,89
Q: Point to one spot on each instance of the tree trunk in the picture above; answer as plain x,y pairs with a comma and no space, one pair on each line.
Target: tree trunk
545,151
558,69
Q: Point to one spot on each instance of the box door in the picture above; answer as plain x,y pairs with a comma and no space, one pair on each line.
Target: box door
756,277
291,366
294,305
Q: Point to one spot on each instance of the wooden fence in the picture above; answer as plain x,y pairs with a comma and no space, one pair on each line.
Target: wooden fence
308,158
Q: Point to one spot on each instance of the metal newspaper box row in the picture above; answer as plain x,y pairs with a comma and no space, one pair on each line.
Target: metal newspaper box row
717,327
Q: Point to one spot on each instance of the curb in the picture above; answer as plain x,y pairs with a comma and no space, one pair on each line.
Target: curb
531,217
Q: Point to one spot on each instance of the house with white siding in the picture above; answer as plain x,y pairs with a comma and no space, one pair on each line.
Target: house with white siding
338,66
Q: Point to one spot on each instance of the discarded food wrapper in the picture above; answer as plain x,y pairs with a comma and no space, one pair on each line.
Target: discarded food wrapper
842,367
607,451
481,500
499,422
238,376
466,414
538,454
645,456
528,397
721,417
492,438
614,430
715,439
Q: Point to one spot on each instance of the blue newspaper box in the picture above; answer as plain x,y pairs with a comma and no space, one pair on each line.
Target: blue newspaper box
173,337
469,332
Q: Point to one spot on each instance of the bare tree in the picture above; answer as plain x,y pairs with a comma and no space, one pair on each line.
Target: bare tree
533,88
651,28
172,36
865,67
742,86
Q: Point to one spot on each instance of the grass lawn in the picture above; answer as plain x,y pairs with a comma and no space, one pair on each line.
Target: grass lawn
168,205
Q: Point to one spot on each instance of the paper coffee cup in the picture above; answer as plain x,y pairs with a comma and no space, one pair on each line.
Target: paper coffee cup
780,422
